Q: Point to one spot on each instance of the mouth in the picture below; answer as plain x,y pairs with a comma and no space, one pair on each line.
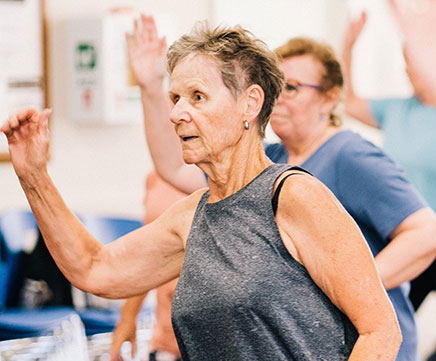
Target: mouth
187,138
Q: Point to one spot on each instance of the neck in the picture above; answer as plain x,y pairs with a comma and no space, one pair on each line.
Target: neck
300,146
233,169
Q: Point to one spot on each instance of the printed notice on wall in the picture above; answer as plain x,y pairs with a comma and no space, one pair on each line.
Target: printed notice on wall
21,58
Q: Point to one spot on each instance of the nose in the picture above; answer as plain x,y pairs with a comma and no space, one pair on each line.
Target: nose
281,98
180,112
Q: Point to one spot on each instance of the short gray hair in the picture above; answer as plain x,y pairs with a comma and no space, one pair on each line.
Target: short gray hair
242,58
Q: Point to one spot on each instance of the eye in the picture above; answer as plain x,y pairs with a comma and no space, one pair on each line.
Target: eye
198,97
174,98
290,87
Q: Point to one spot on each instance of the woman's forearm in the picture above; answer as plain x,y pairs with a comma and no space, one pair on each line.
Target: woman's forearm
70,244
377,346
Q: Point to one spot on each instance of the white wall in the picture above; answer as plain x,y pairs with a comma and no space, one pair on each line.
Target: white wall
96,168
101,168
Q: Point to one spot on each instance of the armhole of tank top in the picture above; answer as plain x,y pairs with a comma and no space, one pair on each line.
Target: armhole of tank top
275,198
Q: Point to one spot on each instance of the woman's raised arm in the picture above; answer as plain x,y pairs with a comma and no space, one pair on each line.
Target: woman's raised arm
135,263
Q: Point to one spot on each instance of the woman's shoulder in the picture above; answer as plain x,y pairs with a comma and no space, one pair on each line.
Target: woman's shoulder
188,205
178,218
301,190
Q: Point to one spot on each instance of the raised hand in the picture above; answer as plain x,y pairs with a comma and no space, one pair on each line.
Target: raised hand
353,30
29,139
418,25
147,53
417,21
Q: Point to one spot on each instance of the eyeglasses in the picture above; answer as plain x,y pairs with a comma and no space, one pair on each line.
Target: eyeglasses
292,87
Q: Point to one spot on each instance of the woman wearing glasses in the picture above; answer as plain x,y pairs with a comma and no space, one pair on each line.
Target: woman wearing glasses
391,215
389,212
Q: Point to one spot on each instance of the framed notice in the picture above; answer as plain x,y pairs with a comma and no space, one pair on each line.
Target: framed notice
22,59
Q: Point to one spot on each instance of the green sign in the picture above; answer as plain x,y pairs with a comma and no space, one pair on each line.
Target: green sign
86,56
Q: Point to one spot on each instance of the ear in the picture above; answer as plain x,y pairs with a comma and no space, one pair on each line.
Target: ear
254,97
331,99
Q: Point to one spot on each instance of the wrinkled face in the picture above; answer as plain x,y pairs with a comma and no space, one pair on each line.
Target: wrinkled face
302,108
207,117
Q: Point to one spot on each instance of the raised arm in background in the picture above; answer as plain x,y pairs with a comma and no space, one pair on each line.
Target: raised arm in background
147,55
355,106
418,25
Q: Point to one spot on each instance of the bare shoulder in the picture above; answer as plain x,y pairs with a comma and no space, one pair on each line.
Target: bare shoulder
308,213
189,203
302,189
180,215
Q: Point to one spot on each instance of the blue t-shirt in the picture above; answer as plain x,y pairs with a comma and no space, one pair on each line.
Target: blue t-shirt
374,190
410,139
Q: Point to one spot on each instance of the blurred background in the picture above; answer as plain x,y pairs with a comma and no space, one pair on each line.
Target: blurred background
99,157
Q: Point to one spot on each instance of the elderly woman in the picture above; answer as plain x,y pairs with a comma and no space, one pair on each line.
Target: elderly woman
271,265
389,212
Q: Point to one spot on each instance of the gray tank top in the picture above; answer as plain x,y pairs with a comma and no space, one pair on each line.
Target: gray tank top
242,296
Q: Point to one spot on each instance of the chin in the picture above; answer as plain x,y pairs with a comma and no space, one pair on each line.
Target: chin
190,158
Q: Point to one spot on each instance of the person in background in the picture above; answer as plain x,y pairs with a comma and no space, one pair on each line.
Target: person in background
159,195
273,266
408,124
372,188
417,22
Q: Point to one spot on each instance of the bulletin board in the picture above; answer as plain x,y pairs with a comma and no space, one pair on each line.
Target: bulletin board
23,59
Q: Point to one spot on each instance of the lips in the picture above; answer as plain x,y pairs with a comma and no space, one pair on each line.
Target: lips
187,138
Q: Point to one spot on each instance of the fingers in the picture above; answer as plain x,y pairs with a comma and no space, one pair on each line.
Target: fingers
136,32
395,8
149,27
363,18
19,117
116,357
162,45
359,23
43,120
129,41
115,351
145,30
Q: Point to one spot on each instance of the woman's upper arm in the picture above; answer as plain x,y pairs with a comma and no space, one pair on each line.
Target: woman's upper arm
146,257
331,247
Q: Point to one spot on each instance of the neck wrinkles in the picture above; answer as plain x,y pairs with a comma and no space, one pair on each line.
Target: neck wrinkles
233,170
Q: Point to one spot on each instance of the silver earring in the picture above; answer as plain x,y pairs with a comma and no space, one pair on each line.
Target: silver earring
246,125
323,117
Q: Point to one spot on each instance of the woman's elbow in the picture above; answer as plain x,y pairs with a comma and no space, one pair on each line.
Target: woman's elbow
393,334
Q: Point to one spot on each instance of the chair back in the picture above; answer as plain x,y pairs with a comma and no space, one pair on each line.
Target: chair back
107,229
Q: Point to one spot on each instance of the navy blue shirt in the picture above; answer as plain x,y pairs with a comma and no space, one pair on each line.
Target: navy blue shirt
376,193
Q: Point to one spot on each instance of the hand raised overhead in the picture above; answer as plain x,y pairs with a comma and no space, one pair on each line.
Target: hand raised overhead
417,25
354,30
147,53
29,139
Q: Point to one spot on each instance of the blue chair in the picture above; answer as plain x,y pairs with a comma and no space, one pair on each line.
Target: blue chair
106,229
16,228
